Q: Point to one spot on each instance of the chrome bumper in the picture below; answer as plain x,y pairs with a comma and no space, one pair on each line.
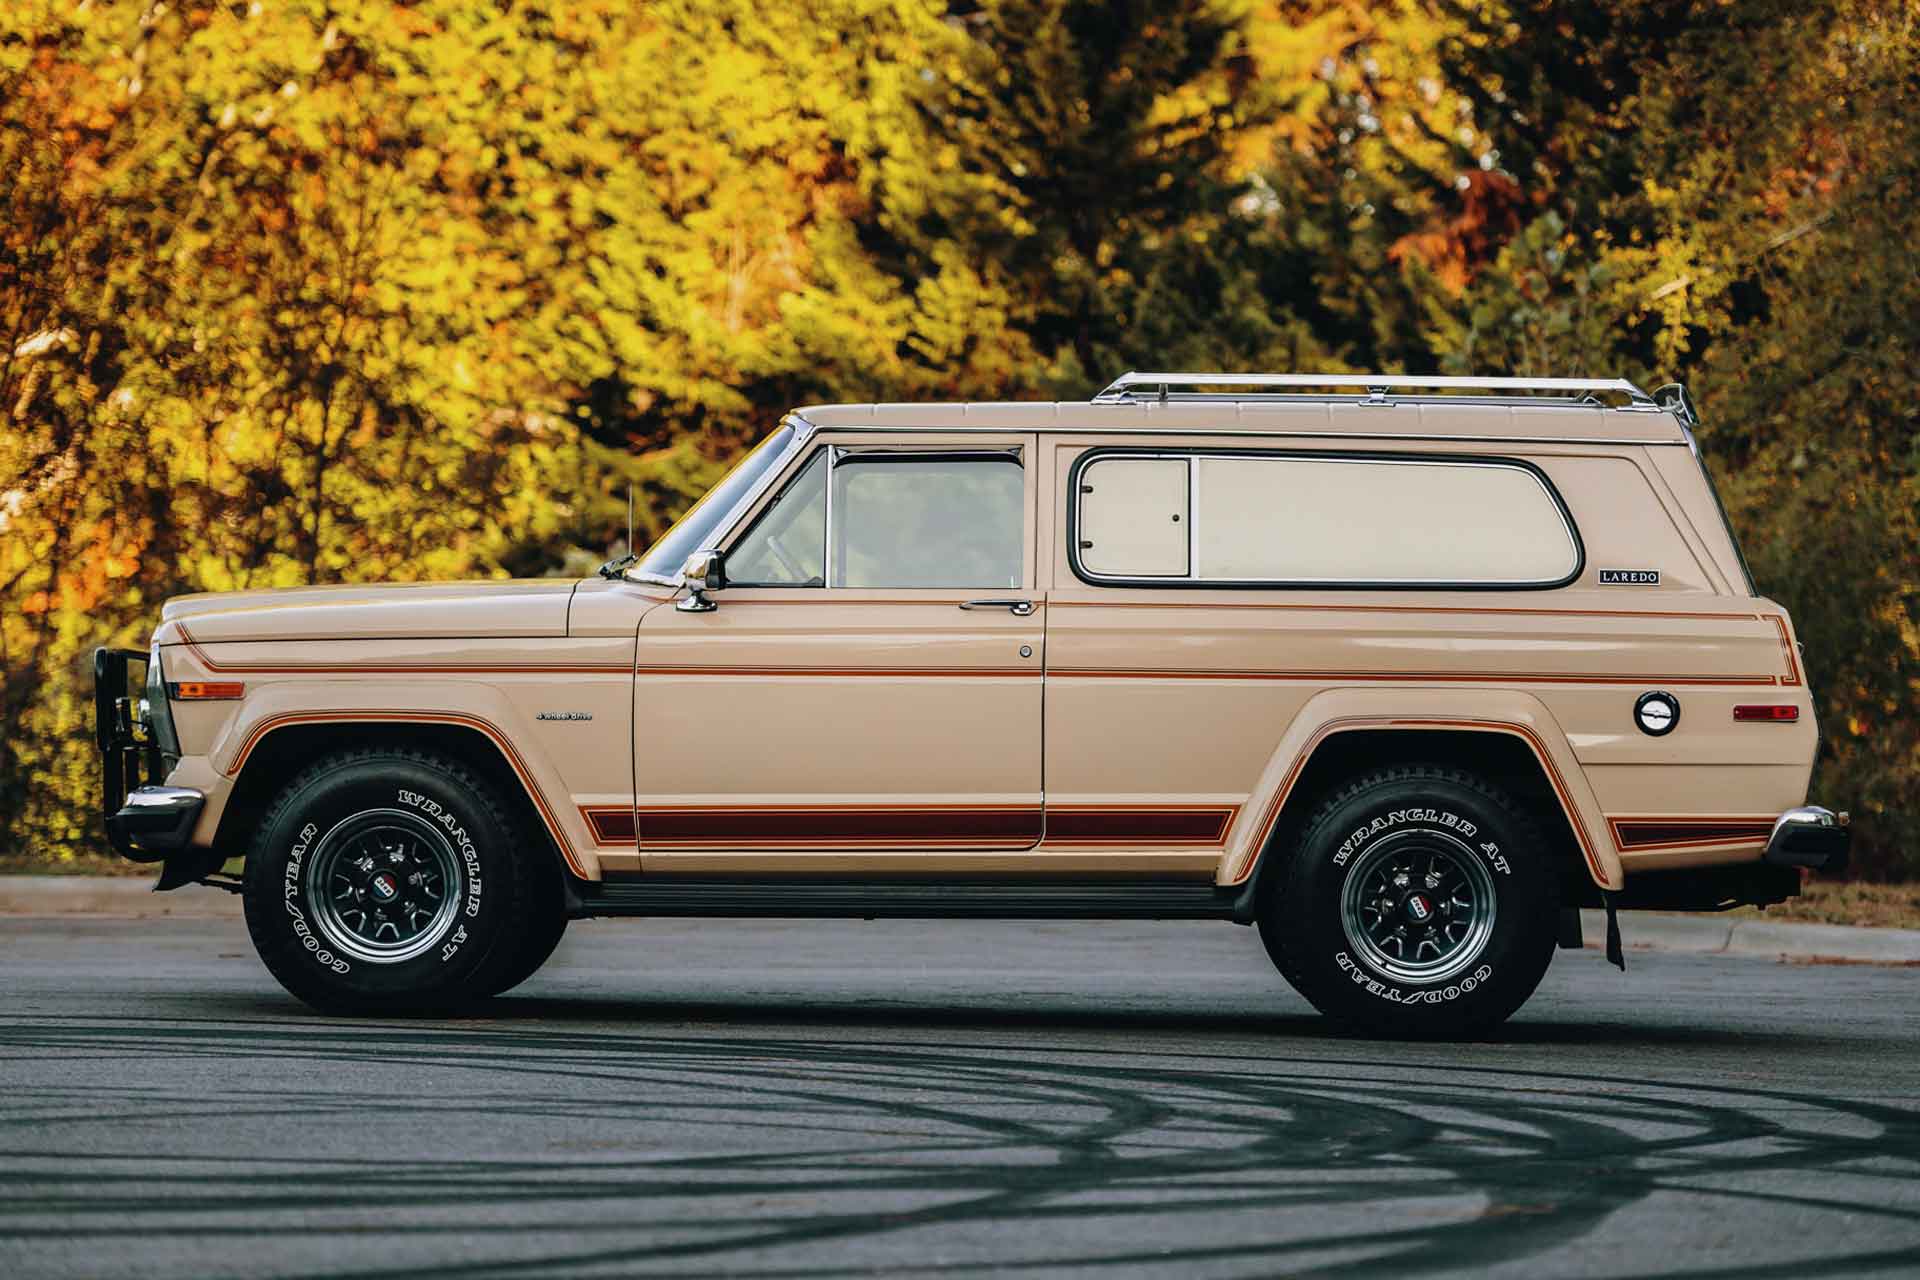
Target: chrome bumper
155,821
1810,837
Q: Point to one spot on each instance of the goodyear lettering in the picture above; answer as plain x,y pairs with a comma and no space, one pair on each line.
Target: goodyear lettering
1440,995
301,930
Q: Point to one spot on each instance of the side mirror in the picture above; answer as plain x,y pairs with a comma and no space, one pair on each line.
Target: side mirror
705,570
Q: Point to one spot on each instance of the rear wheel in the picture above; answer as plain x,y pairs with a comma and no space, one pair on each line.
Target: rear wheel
388,880
1420,902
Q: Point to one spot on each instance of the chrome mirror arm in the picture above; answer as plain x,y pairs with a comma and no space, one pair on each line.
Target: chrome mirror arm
704,571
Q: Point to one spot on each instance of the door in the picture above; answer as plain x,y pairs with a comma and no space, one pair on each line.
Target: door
866,692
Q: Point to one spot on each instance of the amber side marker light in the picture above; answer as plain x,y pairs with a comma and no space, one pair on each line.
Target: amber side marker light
1776,713
205,691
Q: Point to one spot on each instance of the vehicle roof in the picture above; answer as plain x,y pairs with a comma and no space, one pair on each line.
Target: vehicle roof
1402,417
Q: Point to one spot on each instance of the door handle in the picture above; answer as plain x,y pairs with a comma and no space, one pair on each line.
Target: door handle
1018,608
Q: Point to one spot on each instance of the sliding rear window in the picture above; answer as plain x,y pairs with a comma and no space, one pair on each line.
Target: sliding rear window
1218,518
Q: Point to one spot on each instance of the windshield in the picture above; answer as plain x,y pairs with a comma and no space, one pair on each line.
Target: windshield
691,531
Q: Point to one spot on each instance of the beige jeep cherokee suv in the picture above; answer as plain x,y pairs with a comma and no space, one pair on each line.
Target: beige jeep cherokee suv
1403,670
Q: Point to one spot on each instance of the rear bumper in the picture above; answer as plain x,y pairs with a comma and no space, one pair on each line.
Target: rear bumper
1810,837
155,822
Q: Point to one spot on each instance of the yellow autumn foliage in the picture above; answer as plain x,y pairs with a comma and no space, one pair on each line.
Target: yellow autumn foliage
329,290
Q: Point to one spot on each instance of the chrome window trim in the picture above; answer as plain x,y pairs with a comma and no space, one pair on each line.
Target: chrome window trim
1078,474
838,454
833,452
780,493
723,528
1192,582
1193,516
735,526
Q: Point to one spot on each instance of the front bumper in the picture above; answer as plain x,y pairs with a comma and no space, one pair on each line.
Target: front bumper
1810,837
154,822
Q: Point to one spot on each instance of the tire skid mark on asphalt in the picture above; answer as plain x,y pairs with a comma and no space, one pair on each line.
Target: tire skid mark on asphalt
948,1133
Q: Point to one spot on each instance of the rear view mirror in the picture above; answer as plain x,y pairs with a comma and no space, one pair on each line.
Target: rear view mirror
704,571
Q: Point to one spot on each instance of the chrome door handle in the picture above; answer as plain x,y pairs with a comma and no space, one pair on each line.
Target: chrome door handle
1018,608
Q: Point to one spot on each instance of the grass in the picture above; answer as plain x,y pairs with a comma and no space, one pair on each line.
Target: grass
1885,906
78,864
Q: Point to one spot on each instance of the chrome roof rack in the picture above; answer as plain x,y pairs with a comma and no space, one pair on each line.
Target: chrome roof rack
1135,386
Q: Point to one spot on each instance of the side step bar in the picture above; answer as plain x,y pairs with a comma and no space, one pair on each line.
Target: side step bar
668,895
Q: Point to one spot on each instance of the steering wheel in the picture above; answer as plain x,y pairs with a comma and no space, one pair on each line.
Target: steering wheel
786,561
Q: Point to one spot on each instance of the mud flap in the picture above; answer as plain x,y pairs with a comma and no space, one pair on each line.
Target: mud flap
1615,956
1572,936
189,866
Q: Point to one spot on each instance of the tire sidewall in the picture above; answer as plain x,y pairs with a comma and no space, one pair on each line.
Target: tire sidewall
1339,977
294,939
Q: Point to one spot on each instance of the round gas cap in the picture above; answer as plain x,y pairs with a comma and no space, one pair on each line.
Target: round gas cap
1657,713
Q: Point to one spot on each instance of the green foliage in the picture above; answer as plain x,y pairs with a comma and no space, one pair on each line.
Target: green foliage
344,289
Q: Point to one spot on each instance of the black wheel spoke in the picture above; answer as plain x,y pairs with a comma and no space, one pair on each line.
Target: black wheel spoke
1419,905
381,885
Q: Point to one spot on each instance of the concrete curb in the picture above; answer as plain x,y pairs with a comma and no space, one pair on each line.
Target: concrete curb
112,896
1757,939
132,897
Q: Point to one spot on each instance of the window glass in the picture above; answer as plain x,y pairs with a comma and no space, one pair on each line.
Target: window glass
919,521
690,533
1340,520
787,545
1133,516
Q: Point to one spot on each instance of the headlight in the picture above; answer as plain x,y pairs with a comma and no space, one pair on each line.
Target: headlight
159,713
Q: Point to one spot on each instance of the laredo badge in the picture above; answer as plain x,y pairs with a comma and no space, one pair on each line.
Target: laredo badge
1629,577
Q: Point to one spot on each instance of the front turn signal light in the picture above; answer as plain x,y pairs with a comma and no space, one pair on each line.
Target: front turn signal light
206,691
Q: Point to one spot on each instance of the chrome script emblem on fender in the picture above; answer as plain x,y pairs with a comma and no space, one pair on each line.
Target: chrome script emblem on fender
564,715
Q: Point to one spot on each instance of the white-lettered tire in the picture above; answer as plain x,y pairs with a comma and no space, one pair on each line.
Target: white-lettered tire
1419,902
546,925
388,881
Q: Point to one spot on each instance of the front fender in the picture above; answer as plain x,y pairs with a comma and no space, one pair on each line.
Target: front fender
454,704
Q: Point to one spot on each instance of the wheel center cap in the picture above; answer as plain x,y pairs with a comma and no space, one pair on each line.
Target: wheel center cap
1418,908
385,886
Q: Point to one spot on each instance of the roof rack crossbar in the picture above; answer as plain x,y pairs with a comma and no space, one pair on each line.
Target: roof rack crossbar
1376,385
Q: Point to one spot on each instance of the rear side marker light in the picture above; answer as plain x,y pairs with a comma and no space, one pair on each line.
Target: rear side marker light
205,691
1776,713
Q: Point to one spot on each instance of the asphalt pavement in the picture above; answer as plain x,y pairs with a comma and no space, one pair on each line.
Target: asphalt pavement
801,1099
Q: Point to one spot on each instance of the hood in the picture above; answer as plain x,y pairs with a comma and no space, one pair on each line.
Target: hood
394,611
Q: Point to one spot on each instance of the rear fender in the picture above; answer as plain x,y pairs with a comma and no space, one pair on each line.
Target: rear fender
1516,714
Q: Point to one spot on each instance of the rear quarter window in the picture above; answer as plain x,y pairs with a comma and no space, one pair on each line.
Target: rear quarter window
1316,519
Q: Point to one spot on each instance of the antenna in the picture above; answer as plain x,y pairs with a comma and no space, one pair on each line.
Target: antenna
616,568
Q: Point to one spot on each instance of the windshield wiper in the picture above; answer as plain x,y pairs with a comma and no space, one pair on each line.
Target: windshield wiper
617,567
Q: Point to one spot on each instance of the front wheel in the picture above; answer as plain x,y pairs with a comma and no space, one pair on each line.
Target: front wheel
1420,902
386,881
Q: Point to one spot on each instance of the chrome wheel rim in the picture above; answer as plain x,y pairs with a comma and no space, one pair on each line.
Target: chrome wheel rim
1419,906
384,885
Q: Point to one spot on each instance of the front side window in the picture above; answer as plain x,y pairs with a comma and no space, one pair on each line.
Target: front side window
787,546
878,518
926,521
1354,520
